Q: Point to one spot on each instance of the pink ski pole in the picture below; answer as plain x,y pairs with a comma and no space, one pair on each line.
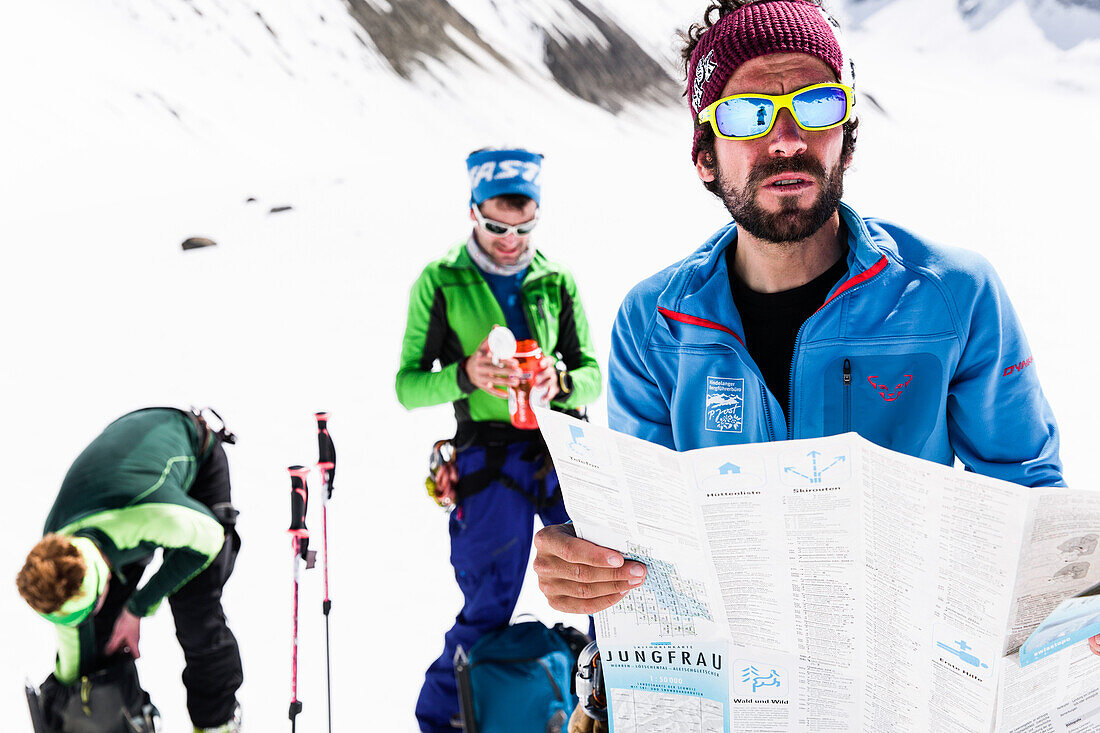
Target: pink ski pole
326,465
299,542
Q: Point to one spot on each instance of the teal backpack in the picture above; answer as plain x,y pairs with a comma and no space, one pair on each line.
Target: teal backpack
519,679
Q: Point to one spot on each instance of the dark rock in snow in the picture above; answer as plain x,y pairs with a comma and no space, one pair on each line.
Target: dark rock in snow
277,209
197,243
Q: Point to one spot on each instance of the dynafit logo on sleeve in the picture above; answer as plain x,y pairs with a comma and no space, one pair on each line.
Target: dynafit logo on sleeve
703,72
499,170
725,407
1017,367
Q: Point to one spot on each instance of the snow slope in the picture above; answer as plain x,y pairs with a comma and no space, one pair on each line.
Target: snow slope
132,124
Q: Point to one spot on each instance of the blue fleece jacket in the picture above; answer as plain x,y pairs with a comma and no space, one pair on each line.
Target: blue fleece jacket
918,350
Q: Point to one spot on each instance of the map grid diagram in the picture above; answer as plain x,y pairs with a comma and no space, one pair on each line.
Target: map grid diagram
666,599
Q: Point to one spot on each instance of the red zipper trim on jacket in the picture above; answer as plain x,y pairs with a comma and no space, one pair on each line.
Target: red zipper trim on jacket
683,318
860,278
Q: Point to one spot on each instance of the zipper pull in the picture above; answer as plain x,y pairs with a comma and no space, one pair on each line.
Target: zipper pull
538,306
847,373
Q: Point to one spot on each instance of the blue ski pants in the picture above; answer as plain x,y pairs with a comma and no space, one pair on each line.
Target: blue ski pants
491,532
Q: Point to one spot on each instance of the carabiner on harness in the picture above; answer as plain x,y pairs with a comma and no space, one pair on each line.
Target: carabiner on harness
443,454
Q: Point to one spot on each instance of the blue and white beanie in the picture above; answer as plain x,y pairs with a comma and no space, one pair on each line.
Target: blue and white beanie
499,172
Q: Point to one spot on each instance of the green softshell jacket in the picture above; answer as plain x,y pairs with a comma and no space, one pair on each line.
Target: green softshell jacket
452,309
127,492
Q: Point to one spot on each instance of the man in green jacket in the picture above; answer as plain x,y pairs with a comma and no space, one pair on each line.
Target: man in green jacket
501,475
154,478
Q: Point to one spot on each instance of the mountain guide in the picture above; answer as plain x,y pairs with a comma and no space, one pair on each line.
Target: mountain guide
498,475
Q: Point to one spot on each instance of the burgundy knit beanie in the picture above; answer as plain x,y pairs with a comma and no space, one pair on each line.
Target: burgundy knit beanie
759,29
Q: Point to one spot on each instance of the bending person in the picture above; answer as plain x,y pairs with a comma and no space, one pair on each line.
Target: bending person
155,478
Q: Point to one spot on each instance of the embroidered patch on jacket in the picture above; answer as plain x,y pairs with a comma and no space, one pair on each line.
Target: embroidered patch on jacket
890,389
725,409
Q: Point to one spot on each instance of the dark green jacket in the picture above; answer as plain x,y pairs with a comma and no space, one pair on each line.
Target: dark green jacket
452,309
127,492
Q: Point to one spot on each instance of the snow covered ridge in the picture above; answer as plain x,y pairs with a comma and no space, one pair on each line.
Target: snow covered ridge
575,43
611,52
968,7
1066,23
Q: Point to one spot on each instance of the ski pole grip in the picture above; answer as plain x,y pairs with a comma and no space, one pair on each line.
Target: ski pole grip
299,500
326,451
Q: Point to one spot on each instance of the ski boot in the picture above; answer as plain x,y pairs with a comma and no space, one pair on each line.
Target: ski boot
144,721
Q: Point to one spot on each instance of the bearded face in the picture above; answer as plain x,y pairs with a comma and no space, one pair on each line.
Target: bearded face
783,186
788,218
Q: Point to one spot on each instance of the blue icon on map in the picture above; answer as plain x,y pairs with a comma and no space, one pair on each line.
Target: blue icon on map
963,653
578,445
813,472
752,674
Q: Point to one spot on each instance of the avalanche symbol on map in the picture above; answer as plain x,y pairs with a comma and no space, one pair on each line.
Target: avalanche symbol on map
814,468
667,600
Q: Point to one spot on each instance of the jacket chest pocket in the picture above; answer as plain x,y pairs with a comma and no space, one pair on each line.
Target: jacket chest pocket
894,400
542,314
544,311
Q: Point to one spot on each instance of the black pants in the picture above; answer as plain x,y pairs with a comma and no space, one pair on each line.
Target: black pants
212,673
